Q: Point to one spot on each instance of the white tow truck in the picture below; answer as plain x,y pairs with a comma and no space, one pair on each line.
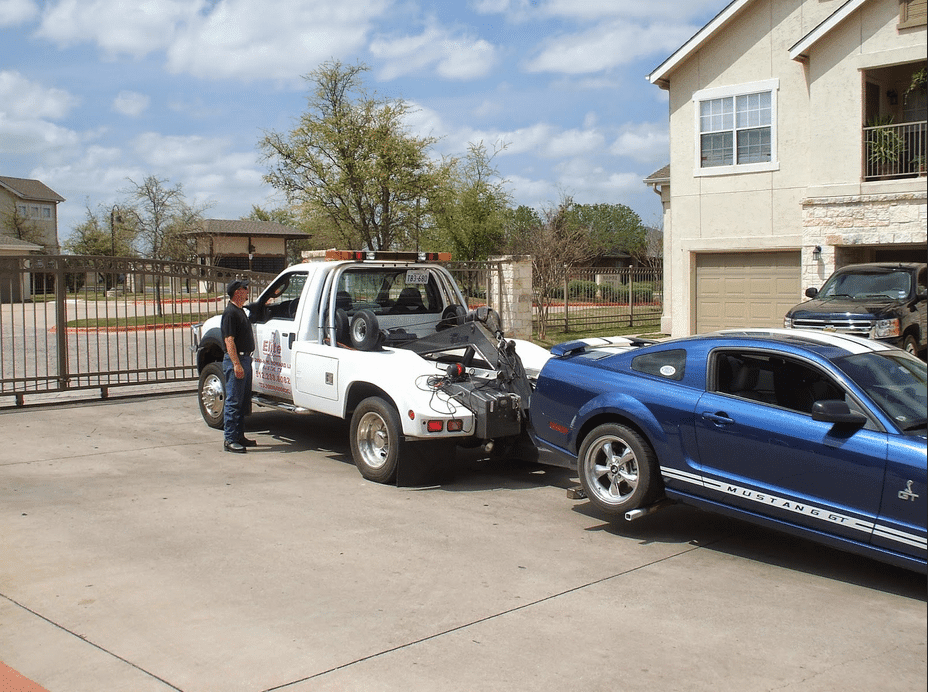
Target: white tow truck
386,341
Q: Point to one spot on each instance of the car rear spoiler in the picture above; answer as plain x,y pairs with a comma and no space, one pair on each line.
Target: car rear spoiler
572,348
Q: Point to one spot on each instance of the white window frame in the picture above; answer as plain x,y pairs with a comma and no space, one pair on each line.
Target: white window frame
769,85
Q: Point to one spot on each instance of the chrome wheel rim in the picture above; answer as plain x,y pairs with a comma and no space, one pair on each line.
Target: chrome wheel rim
213,395
612,470
373,440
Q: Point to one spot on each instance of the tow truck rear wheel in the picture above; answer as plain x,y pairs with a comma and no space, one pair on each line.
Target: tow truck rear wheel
212,394
376,439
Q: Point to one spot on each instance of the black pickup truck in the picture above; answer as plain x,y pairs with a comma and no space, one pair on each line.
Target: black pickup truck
882,300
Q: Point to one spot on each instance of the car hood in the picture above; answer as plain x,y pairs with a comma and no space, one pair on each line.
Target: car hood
845,306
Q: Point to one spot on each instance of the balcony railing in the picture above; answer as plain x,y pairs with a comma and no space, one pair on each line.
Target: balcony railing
894,151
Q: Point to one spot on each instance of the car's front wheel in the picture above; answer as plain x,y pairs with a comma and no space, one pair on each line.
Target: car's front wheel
618,469
212,394
910,344
376,439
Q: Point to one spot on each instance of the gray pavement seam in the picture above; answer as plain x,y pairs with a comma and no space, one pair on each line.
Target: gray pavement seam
88,641
487,618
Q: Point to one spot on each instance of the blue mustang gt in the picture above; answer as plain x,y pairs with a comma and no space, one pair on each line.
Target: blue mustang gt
817,434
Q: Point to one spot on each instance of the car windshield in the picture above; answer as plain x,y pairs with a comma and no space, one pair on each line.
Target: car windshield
868,284
895,381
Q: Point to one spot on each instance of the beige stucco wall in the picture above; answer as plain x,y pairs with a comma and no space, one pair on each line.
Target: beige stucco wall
818,138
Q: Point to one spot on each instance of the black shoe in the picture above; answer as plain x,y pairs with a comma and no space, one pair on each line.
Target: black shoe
245,442
233,447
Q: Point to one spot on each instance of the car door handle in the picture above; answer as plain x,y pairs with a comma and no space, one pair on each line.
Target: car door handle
719,419
290,339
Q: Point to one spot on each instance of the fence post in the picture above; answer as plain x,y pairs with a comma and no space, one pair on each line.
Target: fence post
566,303
61,324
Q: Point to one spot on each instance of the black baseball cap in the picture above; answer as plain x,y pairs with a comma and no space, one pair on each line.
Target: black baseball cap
236,284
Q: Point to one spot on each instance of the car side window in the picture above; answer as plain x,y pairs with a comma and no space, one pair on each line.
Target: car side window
667,364
774,380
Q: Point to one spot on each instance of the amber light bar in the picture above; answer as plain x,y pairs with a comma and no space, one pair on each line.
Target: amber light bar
387,256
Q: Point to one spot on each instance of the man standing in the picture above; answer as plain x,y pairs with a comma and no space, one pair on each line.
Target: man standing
239,342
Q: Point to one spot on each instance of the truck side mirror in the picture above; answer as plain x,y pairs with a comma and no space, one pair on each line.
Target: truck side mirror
256,312
811,292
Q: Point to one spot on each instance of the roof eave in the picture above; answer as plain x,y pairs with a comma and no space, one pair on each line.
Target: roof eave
660,76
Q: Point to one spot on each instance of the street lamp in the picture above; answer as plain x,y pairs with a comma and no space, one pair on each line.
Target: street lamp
114,217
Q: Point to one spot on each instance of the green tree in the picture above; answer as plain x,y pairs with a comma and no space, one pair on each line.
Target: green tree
472,213
103,233
351,160
613,228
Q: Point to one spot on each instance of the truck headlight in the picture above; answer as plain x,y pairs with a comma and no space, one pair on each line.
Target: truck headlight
787,322
883,329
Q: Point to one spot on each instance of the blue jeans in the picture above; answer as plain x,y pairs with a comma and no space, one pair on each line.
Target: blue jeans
238,393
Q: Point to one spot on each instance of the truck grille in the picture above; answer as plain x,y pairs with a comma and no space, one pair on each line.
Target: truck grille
857,326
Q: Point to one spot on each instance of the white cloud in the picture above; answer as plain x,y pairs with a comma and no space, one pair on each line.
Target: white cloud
131,103
643,142
605,46
15,12
278,40
458,57
33,136
21,98
118,27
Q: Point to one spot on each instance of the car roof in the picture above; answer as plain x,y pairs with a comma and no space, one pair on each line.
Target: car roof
827,344
881,266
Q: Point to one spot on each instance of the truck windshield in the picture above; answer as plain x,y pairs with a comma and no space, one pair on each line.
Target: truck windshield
868,284
895,381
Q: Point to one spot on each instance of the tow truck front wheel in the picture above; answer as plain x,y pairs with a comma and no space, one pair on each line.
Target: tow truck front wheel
212,394
376,440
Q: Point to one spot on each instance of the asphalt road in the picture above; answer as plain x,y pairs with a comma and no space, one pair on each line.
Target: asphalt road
136,555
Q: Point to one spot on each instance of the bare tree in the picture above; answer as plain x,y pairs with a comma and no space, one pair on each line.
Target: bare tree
556,242
17,225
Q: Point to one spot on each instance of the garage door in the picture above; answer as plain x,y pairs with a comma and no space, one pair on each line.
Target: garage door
745,289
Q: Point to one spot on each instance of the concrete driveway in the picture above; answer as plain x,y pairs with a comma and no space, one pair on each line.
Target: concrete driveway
136,555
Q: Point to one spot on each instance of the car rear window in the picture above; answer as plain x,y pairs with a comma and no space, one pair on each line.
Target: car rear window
667,364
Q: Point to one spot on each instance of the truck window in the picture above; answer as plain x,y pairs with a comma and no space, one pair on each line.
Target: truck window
282,298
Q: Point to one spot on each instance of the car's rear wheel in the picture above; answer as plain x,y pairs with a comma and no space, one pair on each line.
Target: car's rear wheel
618,469
376,439
212,394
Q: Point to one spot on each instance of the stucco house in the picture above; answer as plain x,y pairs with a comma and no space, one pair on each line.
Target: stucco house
259,246
34,204
797,145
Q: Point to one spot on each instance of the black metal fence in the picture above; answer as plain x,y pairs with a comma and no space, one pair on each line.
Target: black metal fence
596,299
76,323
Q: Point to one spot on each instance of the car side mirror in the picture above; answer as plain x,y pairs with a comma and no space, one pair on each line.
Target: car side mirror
811,292
836,411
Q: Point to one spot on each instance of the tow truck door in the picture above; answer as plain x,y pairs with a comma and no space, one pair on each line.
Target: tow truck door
276,315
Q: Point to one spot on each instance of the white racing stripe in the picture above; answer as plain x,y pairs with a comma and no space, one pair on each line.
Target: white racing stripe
802,508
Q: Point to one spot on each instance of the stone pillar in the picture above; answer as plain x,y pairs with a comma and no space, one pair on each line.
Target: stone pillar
510,292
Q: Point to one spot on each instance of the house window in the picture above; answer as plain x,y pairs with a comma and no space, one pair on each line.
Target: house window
736,129
913,13
46,212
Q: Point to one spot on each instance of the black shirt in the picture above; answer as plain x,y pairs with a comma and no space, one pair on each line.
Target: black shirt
235,324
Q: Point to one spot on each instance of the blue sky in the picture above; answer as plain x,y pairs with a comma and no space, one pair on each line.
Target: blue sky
94,93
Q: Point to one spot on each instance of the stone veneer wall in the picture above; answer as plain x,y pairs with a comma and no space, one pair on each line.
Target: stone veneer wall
515,302
839,224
